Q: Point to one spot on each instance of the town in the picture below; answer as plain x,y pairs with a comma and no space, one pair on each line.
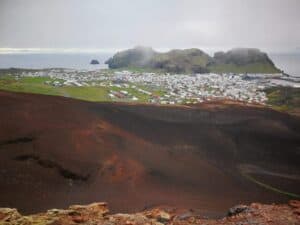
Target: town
167,88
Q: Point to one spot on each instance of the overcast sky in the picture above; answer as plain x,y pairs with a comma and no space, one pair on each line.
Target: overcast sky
162,24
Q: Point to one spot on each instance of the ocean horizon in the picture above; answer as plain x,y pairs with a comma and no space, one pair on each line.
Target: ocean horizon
80,61
288,62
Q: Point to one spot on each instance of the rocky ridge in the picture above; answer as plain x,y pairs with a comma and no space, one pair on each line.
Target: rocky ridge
238,60
98,213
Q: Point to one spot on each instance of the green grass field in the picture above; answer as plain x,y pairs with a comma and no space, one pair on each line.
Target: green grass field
280,98
250,68
284,99
37,85
29,85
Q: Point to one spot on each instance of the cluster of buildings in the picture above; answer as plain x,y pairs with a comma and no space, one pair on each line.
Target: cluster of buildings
178,89
173,88
122,94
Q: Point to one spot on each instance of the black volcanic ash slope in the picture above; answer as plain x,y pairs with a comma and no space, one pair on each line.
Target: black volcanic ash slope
57,151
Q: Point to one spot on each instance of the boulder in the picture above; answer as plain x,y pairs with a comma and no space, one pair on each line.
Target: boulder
237,210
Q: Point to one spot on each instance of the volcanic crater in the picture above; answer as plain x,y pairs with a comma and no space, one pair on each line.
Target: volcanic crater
57,151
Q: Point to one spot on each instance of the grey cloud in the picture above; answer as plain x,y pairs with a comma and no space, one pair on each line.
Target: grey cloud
161,24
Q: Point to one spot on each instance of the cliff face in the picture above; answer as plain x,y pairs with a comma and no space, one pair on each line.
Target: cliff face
182,61
137,57
98,213
241,60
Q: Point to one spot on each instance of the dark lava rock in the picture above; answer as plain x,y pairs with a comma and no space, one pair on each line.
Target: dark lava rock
237,210
94,62
98,213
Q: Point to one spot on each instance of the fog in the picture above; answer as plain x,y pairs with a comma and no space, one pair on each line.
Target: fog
76,25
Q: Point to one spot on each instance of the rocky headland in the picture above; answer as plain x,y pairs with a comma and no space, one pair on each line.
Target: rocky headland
238,60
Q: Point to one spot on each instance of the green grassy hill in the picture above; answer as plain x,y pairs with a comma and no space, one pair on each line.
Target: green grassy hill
284,99
241,60
182,61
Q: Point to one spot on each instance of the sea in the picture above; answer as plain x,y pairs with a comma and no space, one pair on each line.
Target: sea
80,61
288,62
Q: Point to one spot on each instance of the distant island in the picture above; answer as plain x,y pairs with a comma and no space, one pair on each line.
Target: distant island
94,62
238,60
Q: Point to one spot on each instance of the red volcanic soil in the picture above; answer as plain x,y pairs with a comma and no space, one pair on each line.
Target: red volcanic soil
56,151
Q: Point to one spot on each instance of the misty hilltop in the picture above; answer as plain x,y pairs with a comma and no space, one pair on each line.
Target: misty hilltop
239,60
